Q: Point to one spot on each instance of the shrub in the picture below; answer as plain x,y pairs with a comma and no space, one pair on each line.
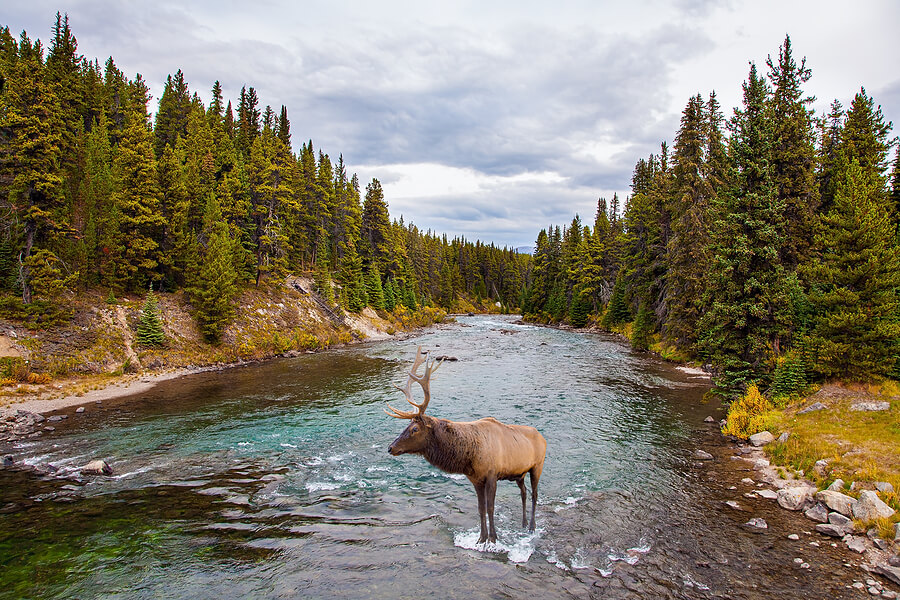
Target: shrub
747,415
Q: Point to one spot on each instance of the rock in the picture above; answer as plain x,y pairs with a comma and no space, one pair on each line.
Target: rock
446,358
831,530
56,418
871,406
702,455
874,591
856,543
49,428
783,437
897,532
757,523
894,560
7,461
733,504
812,408
889,571
97,467
79,410
884,486
793,537
837,501
870,507
709,419
768,494
889,595
760,463
819,513
747,481
795,498
836,486
762,438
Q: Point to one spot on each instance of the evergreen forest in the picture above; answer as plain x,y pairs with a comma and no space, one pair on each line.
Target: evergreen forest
206,199
764,244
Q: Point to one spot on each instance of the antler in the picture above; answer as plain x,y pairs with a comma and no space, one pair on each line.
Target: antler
423,380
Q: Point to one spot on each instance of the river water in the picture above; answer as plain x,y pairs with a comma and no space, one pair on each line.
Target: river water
274,481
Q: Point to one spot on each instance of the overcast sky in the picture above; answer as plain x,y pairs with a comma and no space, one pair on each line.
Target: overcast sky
488,119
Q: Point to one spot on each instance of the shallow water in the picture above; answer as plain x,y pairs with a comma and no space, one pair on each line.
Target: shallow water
274,481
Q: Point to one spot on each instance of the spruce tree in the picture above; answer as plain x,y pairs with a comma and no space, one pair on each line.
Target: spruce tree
150,330
643,329
374,291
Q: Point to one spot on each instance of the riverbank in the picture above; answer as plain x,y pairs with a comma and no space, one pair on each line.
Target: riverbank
95,357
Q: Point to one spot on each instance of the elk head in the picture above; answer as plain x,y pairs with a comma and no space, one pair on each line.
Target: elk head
414,438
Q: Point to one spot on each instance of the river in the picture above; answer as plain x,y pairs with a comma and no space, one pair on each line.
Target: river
274,481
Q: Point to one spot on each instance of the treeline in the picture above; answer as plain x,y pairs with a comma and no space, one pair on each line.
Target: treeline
765,244
207,199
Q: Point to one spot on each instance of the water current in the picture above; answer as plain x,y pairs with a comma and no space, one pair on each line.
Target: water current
274,481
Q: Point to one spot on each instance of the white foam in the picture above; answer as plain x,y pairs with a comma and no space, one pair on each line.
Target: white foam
321,486
133,473
245,443
285,445
517,551
375,469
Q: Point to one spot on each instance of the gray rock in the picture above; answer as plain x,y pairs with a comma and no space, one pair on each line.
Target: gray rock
56,418
761,463
831,530
871,406
897,532
702,455
840,520
820,467
709,419
812,408
819,513
97,467
870,507
884,486
856,543
757,523
795,498
733,504
768,494
793,537
783,437
836,485
762,438
837,501
889,594
889,571
79,410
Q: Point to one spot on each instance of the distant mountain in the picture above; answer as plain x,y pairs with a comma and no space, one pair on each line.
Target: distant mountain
524,249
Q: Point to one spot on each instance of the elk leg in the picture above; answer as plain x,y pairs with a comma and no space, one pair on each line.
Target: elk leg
490,491
479,490
521,482
535,476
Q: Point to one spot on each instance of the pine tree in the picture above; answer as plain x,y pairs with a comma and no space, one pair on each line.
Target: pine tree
215,280
617,310
642,330
376,228
374,291
857,277
150,330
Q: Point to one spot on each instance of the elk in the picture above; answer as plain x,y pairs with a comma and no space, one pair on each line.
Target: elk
485,450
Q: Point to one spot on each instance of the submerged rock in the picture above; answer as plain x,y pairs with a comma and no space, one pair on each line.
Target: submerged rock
757,523
97,467
870,507
702,455
7,461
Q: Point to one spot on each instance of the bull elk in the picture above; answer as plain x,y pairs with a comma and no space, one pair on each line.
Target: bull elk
485,451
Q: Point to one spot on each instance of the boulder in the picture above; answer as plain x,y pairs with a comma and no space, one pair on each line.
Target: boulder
884,486
840,520
818,513
831,530
762,438
702,455
870,507
889,571
871,406
783,437
97,467
856,543
820,467
836,486
837,501
812,408
795,498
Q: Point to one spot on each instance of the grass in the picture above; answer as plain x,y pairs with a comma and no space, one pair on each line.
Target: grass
859,446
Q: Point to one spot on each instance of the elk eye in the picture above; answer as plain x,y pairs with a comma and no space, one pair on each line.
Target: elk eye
414,429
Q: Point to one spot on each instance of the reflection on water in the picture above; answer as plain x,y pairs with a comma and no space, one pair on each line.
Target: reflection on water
274,481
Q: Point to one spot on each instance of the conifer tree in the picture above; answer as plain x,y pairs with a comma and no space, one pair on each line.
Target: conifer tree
642,330
376,228
150,330
215,280
374,291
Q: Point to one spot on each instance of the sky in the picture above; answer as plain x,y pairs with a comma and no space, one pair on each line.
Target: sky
488,119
